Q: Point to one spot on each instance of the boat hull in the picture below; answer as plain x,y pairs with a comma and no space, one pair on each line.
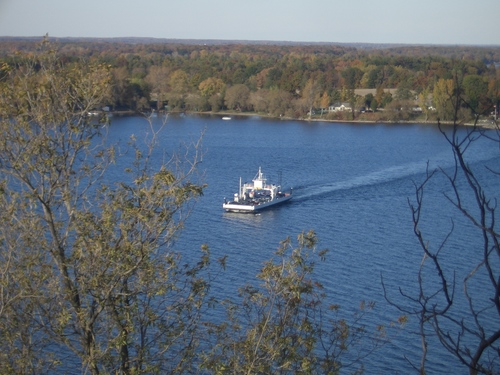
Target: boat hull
248,207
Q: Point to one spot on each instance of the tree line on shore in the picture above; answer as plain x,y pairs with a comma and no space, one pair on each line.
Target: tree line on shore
296,81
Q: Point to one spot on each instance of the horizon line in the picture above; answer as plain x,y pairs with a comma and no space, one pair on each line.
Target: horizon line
244,41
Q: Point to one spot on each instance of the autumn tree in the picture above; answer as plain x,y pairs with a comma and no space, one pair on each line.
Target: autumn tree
89,281
311,95
282,327
258,100
237,97
158,79
442,97
423,102
382,97
350,97
211,86
261,78
213,90
178,88
121,93
279,102
324,101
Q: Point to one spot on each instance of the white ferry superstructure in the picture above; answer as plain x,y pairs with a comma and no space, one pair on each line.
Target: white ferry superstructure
257,195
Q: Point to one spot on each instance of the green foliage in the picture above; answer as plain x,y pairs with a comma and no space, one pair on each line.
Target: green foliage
352,77
476,91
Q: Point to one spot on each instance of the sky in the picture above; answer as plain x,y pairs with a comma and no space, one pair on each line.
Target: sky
469,22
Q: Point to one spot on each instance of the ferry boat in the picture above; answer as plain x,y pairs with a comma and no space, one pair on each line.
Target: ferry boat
257,195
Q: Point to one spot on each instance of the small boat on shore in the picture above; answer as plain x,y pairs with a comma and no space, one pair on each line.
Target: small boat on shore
257,195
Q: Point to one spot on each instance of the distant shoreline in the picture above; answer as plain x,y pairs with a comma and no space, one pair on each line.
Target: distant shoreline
483,125
218,42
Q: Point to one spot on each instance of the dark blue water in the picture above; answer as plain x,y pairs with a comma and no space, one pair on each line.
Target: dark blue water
351,185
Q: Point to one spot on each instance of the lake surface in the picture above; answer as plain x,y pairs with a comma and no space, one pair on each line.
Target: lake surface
351,185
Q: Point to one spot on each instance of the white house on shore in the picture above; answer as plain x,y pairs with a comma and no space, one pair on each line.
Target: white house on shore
340,107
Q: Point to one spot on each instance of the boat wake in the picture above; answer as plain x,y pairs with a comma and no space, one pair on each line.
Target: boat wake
374,178
380,177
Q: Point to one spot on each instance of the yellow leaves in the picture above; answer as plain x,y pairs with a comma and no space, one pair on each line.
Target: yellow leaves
308,239
5,69
306,365
442,98
139,181
45,90
325,100
164,176
179,81
211,86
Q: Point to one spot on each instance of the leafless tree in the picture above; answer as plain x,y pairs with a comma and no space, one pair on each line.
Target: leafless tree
471,334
